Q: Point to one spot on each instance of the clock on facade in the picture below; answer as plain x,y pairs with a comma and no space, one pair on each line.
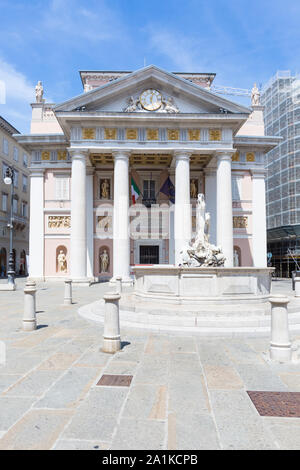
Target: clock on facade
151,100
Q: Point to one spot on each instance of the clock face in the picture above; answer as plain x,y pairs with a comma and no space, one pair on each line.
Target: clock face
151,100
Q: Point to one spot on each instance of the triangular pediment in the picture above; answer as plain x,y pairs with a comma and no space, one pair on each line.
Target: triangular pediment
173,95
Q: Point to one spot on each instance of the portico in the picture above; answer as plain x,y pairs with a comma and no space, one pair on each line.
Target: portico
169,145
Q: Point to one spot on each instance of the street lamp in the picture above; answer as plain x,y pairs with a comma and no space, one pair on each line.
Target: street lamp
9,179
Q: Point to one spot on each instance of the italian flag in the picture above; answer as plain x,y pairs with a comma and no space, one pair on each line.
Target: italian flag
135,192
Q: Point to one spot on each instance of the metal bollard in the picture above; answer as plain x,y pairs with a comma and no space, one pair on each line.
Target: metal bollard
118,284
111,334
68,292
29,317
280,345
32,284
297,286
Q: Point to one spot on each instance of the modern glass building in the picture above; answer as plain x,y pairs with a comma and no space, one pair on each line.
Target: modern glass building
281,99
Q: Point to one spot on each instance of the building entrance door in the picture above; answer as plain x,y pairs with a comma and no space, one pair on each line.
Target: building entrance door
149,254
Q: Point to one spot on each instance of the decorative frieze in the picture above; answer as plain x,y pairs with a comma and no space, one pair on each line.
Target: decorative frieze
236,157
131,134
194,134
173,134
59,221
110,133
240,221
61,155
250,157
152,134
45,155
215,134
88,133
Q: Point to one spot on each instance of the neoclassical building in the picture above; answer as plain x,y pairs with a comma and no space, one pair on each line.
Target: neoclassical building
115,174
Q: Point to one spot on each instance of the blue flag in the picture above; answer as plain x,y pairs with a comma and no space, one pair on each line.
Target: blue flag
168,189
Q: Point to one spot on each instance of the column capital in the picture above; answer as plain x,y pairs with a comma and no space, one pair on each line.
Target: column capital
259,173
224,154
78,153
182,155
121,155
35,172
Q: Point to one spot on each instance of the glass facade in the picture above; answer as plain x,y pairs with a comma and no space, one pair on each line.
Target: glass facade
281,99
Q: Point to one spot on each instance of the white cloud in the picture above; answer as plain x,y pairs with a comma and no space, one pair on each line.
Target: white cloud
19,94
17,85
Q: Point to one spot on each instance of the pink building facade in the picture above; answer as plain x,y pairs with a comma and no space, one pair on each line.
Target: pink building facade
115,174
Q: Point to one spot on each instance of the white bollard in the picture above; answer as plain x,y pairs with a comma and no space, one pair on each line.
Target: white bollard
29,317
32,284
118,284
280,346
111,334
68,292
297,286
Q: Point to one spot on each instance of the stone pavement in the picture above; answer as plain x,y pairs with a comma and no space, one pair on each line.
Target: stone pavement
187,392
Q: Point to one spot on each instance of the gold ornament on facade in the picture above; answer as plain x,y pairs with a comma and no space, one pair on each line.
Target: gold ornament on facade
236,157
61,155
88,133
240,221
173,134
110,134
250,157
59,221
194,134
45,155
215,134
152,134
131,134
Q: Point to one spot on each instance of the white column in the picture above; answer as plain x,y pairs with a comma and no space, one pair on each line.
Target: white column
224,207
182,215
259,229
90,222
78,256
36,228
211,201
121,242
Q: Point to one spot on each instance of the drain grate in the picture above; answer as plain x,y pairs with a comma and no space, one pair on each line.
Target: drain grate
115,380
279,404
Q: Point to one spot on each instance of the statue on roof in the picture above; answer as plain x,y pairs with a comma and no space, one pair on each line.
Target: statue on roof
39,91
255,96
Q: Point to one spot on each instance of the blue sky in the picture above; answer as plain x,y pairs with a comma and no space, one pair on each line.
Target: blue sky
242,41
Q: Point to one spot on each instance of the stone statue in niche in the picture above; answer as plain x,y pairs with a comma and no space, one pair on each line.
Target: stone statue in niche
236,258
255,96
39,91
62,262
194,189
201,252
105,189
104,261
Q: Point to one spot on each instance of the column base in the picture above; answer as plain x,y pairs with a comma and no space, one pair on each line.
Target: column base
281,353
111,346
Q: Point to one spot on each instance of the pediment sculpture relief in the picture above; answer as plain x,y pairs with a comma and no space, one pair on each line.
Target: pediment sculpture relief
151,100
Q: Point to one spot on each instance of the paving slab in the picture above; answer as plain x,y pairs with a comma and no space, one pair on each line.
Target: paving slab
37,430
139,434
69,389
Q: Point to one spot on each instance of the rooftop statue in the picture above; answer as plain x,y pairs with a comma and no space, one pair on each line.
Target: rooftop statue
255,96
39,91
201,252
